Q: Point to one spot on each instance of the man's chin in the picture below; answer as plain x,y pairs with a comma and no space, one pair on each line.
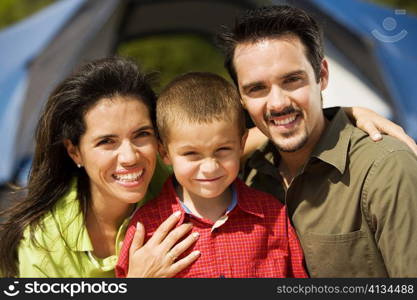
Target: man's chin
290,145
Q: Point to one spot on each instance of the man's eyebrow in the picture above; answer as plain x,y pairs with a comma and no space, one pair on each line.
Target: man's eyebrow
293,73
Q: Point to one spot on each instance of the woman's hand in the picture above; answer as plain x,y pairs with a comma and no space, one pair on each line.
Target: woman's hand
374,124
157,258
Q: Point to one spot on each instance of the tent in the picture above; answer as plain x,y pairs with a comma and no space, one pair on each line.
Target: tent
43,49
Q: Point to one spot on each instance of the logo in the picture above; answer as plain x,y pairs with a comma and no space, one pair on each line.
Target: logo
389,25
11,292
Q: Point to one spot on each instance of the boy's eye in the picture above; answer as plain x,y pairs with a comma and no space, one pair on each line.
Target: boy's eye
190,153
224,149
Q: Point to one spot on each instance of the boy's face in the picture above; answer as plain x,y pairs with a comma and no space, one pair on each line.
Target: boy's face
205,157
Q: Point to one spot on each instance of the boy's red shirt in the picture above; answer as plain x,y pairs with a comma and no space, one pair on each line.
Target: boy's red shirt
257,239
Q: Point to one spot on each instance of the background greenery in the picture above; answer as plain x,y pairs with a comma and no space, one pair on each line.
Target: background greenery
169,54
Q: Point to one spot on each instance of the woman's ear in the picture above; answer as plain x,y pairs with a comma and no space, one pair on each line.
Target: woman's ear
163,152
73,152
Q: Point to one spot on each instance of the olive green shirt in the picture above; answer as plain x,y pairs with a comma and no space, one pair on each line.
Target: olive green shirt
64,248
353,204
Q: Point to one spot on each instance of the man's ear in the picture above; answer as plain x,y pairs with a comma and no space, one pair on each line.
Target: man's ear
243,141
73,152
163,152
324,74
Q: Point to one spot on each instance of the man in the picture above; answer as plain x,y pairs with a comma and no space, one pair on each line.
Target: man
352,201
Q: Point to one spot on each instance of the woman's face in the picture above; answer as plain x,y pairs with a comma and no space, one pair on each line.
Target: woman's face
118,150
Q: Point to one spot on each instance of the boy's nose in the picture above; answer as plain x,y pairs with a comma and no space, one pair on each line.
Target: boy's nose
209,165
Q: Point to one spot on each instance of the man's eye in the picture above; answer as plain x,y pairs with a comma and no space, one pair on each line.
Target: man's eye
292,79
256,88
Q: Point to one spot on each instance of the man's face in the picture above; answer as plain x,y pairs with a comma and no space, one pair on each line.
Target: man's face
280,91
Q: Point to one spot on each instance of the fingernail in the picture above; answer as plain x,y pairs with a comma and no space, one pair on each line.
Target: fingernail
177,213
196,253
377,136
196,234
137,225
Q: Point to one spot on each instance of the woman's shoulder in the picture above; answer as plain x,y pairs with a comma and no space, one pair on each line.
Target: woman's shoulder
55,225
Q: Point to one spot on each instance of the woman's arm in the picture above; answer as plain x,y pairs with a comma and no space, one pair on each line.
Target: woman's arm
374,124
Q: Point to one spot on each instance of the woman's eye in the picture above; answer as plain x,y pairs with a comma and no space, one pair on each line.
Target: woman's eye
143,134
105,142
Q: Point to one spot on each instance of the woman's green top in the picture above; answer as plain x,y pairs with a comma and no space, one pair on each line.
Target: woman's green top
63,247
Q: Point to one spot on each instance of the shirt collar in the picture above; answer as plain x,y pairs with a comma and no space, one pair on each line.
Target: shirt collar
239,200
332,147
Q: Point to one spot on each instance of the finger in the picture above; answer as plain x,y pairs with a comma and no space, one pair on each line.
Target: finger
371,130
179,248
165,228
184,262
175,235
138,238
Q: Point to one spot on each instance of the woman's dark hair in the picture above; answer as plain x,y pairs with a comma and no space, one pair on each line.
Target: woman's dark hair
273,22
63,118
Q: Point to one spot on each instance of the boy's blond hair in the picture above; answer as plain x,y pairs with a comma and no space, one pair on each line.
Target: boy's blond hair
198,97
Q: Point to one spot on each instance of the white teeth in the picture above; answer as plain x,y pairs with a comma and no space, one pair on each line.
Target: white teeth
284,121
128,177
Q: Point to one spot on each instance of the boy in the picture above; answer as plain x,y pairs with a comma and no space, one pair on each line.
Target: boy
243,232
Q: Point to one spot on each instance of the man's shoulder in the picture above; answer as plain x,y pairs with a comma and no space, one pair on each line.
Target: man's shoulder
362,143
257,197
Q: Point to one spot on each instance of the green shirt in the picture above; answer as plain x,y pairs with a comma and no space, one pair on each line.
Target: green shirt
353,204
64,247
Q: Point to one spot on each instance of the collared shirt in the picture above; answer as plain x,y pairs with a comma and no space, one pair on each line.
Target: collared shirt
64,248
254,239
353,203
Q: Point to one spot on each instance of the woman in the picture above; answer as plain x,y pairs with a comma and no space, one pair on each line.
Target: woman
95,156
96,153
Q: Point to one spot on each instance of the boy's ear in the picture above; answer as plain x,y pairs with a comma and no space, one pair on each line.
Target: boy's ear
73,152
163,152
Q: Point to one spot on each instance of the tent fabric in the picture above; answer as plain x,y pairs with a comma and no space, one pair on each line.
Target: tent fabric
42,50
19,45
392,33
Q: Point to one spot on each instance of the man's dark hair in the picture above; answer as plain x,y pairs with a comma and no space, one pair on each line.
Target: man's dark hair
273,22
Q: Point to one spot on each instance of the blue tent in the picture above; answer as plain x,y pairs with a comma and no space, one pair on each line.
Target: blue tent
43,49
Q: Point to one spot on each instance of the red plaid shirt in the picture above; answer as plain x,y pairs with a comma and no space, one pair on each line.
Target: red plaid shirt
257,239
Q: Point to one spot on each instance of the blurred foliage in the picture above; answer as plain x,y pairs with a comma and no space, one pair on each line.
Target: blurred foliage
409,5
12,11
171,55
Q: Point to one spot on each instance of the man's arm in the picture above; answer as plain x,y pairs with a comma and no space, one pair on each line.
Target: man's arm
391,202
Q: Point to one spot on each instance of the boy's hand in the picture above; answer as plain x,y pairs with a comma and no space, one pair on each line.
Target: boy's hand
157,258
